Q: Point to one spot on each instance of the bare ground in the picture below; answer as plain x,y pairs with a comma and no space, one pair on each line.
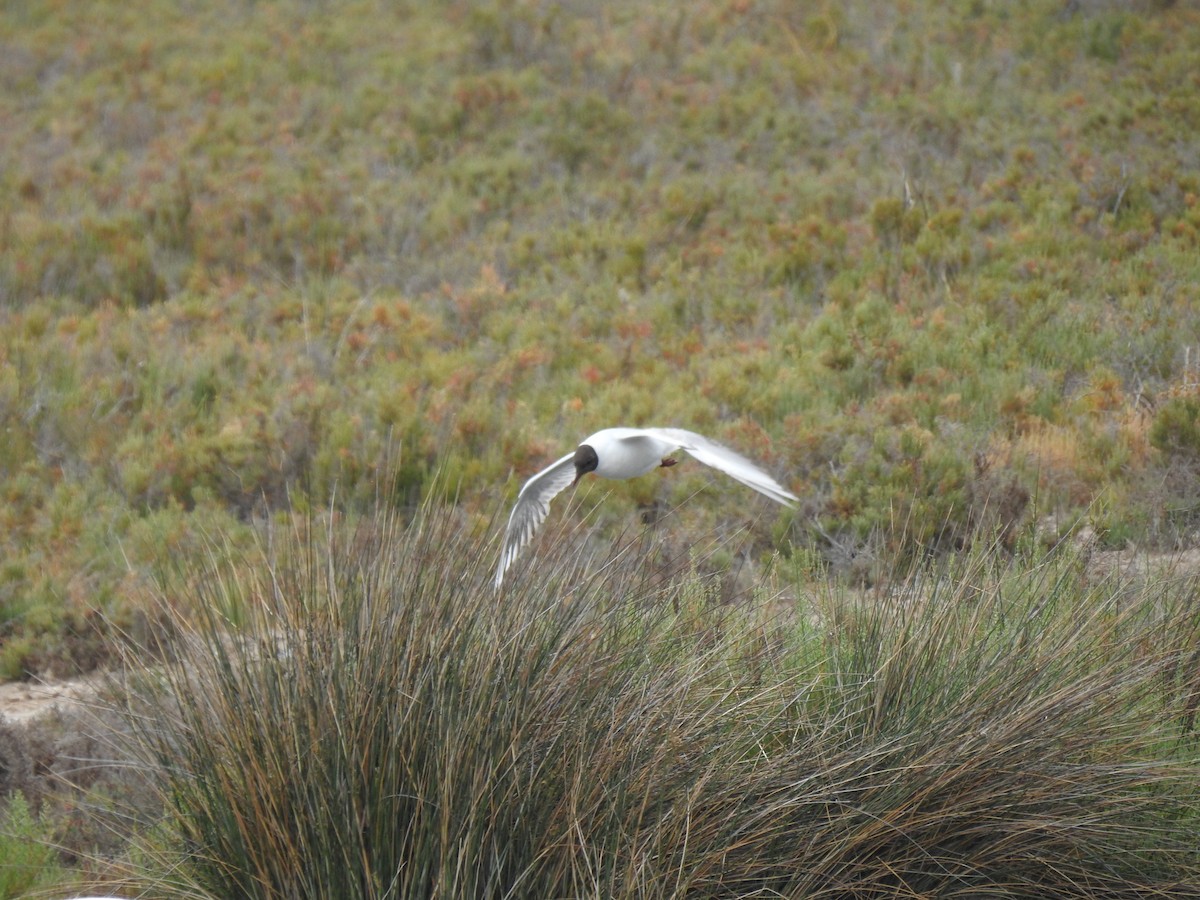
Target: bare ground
23,701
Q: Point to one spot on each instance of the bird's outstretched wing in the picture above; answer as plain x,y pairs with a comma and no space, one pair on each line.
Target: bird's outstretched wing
531,509
732,464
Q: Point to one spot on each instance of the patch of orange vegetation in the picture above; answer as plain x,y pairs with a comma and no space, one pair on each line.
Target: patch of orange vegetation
531,357
1106,392
380,316
1051,446
1057,452
749,438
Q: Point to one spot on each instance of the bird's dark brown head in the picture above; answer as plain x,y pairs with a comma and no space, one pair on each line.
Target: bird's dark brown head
585,461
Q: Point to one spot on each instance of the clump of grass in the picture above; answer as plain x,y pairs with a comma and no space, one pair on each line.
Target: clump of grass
380,724
1017,731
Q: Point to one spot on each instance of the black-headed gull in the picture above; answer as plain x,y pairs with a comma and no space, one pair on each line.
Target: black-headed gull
623,453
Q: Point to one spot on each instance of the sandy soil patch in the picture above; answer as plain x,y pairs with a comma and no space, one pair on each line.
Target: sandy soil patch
22,701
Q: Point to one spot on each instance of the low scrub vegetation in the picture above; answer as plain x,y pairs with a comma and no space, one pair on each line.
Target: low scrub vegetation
915,259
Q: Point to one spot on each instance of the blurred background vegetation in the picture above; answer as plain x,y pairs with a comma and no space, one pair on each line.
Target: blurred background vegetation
936,265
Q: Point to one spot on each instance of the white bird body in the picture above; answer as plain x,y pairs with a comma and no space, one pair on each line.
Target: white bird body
629,452
623,453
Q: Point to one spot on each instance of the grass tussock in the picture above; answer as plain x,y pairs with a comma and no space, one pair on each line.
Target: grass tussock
380,724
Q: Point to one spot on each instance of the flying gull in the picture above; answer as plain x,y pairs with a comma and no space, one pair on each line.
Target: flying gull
623,453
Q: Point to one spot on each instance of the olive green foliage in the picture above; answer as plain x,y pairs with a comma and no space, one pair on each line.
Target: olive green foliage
382,725
29,859
1176,428
936,265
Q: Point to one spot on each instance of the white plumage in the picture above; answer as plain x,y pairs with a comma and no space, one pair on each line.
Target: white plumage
623,453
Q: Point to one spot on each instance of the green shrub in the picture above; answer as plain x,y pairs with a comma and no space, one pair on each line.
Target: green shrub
29,857
1176,428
